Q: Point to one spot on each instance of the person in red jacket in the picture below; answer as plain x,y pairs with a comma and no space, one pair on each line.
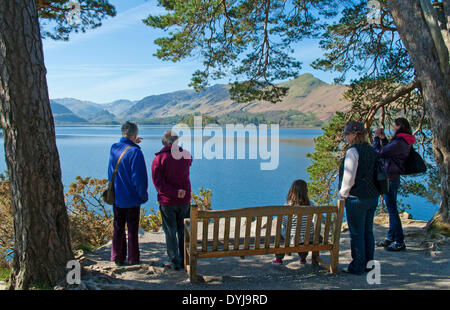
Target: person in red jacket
170,175
394,155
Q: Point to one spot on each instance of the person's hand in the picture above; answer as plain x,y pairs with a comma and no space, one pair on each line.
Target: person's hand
181,193
379,132
138,140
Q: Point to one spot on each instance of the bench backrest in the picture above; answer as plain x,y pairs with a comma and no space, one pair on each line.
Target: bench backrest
249,240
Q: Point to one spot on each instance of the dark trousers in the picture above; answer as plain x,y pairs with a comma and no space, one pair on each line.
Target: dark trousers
360,214
173,226
395,232
122,216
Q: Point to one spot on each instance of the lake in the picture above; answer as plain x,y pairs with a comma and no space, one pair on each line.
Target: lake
235,183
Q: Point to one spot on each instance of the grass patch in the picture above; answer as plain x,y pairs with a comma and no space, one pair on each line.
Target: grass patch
5,272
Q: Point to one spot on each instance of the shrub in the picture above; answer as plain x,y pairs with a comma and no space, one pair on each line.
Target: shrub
90,219
152,221
203,199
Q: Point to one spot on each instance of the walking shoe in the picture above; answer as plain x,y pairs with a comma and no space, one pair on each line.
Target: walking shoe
386,242
396,246
277,262
346,270
302,260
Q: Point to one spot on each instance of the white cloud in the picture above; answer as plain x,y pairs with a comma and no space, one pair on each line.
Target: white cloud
127,19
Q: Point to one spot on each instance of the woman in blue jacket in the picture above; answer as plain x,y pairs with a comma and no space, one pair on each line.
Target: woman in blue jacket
394,155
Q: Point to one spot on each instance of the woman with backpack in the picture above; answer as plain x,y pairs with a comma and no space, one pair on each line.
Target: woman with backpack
394,155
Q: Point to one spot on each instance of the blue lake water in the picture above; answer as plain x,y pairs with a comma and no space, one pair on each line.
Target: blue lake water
235,183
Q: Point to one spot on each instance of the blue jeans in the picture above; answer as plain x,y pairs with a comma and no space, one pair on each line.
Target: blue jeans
360,214
173,226
395,232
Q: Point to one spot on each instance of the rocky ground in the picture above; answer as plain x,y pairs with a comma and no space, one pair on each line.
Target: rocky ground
424,265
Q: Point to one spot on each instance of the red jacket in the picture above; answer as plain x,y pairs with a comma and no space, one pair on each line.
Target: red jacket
170,174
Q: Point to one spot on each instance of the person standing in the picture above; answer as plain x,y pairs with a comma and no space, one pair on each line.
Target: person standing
357,187
394,155
130,187
170,175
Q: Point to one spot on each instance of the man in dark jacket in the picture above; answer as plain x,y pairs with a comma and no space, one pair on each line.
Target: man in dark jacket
130,187
170,174
394,155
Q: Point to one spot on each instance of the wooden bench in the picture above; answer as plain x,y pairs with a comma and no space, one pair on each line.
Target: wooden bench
210,244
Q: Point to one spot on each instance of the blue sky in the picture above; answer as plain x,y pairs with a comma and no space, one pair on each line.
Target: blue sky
115,61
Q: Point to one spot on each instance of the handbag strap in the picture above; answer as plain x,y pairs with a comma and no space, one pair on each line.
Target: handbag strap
118,162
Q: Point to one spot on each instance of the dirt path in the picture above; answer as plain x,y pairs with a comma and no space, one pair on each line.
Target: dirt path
424,265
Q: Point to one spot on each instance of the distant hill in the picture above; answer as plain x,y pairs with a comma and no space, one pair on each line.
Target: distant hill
309,102
307,94
119,106
86,109
62,115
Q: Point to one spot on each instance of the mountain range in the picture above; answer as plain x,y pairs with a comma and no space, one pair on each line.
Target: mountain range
307,96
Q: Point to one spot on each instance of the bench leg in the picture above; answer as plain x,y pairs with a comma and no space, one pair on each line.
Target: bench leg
186,253
334,261
315,262
193,276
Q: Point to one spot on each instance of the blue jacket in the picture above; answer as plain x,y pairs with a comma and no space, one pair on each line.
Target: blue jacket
394,153
131,181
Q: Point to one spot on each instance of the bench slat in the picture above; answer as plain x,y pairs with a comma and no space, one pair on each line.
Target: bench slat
258,232
265,211
308,229
237,232
268,231
205,235
298,230
226,237
216,234
287,240
248,226
251,252
317,229
326,233
278,231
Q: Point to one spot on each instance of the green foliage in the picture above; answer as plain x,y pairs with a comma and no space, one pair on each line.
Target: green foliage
290,118
151,221
203,199
53,17
206,120
5,272
326,159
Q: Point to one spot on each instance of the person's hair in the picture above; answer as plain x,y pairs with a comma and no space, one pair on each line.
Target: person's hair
298,194
404,126
129,129
359,138
169,137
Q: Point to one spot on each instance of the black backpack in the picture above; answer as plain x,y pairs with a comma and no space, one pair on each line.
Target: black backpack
414,164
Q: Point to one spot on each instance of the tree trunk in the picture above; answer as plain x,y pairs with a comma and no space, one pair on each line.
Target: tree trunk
41,227
433,74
